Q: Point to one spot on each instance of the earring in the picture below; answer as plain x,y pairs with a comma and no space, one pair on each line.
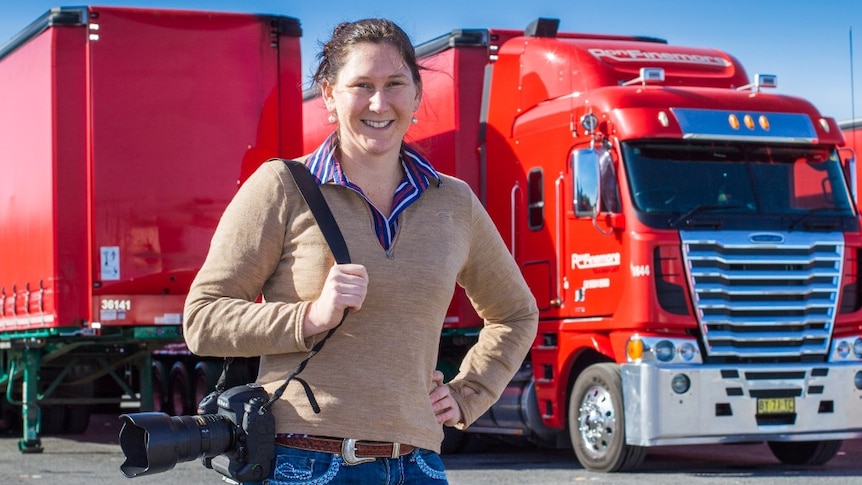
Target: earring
331,119
414,120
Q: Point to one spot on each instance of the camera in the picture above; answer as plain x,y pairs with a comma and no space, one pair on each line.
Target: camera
234,434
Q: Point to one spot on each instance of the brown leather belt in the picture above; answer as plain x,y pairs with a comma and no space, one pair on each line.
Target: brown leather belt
352,451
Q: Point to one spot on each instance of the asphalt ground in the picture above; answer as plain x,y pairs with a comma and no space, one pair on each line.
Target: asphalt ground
95,456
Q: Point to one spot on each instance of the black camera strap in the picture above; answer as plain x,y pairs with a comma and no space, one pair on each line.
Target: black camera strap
326,221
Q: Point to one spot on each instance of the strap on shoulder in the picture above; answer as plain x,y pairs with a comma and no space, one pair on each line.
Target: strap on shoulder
325,220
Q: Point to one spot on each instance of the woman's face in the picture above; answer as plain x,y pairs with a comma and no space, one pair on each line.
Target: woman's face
374,98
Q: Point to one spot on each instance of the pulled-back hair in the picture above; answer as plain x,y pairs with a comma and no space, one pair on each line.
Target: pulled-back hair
333,54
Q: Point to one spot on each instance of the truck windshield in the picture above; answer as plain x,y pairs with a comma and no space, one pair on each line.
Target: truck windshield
679,184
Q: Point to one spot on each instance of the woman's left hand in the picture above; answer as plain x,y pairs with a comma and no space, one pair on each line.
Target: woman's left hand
445,407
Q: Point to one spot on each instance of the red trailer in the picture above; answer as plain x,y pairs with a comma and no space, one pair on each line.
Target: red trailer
123,135
689,237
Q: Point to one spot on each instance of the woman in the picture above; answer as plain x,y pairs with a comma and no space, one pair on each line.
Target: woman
412,234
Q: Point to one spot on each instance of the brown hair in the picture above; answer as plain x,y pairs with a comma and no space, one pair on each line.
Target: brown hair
333,53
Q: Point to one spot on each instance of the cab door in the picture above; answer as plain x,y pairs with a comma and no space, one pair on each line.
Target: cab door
595,261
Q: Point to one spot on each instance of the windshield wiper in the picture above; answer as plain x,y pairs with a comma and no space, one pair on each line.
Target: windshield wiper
701,208
818,210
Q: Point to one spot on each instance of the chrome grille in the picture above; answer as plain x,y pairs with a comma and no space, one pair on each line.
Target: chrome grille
760,295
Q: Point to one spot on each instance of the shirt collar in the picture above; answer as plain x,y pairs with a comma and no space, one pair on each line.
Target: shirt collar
324,165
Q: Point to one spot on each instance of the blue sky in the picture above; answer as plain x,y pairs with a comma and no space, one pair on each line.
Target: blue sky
806,43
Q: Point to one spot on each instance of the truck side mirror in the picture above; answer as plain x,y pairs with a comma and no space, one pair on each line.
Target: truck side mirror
585,170
848,163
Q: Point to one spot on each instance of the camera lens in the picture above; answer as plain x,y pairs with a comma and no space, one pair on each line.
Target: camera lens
155,442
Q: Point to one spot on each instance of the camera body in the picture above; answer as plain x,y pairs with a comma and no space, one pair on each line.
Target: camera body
251,456
233,432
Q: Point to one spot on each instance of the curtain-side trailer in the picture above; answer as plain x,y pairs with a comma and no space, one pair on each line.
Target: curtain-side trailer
123,135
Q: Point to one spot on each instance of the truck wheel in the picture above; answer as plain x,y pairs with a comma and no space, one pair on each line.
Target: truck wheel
179,390
597,421
804,452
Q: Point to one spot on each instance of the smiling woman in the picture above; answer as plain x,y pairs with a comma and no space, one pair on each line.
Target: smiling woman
413,234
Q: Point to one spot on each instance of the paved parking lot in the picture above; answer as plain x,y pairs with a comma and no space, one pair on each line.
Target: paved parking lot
95,458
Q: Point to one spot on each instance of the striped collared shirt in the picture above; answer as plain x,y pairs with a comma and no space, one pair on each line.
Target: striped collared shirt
418,173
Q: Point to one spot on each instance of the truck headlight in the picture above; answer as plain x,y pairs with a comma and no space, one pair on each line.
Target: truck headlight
664,350
843,349
680,383
687,351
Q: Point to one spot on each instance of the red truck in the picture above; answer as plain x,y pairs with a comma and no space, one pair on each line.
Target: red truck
123,134
689,237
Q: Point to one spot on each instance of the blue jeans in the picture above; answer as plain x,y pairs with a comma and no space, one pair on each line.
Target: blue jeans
300,467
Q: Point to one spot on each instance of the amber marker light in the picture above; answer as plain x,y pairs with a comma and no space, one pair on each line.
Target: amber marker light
749,122
733,121
635,349
763,121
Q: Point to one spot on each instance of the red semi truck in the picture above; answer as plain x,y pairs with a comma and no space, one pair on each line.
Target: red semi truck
123,134
689,237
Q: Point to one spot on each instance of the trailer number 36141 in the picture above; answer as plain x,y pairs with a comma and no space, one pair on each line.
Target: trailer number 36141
117,305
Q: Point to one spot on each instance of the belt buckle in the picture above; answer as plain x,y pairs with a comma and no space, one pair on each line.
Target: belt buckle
348,453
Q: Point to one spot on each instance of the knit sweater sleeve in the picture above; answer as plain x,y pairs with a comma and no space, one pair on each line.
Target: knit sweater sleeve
223,315
501,297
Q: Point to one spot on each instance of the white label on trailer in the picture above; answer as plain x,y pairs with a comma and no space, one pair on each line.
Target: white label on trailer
110,263
169,319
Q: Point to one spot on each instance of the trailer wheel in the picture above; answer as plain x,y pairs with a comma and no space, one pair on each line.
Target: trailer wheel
804,452
597,422
82,386
179,389
52,420
454,441
206,376
78,419
11,421
160,387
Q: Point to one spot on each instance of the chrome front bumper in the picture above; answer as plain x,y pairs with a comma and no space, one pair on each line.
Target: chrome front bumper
721,404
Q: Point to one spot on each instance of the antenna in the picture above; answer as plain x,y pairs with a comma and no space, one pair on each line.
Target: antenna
852,165
852,86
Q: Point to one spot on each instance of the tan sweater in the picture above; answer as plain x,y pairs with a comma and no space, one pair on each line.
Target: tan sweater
373,376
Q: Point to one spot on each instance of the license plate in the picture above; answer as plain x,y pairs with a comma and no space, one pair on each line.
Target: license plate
776,405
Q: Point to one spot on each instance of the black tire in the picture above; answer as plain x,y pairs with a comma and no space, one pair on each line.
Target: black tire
180,390
83,386
206,376
804,452
160,387
597,421
77,418
53,420
453,441
11,421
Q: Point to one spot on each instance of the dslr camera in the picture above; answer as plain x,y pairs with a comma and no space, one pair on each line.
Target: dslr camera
233,433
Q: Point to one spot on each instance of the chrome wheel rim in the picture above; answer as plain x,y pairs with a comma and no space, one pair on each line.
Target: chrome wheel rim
597,421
